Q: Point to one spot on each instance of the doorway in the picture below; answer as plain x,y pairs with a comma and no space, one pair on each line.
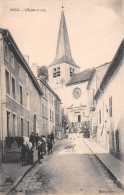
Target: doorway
21,126
79,118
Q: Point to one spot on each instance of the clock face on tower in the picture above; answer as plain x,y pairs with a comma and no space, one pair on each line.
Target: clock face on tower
76,93
62,81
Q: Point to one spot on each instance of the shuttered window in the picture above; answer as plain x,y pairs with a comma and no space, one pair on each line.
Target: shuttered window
100,116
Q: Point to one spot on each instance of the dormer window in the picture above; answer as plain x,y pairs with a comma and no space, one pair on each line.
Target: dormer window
71,71
56,72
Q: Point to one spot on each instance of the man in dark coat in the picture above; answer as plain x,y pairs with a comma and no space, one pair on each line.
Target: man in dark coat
32,139
49,146
40,155
24,155
36,140
52,137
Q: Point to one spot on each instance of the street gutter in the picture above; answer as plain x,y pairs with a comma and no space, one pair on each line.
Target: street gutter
23,175
118,181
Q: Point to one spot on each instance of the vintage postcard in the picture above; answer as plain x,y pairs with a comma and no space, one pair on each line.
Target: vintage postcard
62,97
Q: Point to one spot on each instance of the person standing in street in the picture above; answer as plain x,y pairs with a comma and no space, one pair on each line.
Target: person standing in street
23,154
52,137
50,146
30,154
40,154
32,139
36,140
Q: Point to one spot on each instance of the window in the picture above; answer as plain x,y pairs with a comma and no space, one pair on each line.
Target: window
14,125
12,60
46,111
56,72
110,106
71,71
79,118
7,83
21,126
20,71
52,99
43,110
13,87
57,118
28,101
100,116
21,95
52,116
6,52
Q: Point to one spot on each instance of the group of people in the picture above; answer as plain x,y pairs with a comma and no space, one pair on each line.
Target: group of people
45,146
42,144
27,153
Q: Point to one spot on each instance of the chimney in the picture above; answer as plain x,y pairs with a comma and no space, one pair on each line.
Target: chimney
34,68
26,58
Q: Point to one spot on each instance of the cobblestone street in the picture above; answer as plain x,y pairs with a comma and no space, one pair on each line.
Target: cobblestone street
71,169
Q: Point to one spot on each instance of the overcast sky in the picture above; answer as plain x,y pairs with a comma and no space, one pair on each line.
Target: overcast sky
95,28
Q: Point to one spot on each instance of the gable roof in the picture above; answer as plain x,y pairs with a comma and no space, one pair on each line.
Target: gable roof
63,51
81,77
113,66
48,87
95,70
11,43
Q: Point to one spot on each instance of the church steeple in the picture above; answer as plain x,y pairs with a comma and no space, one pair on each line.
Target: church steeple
63,51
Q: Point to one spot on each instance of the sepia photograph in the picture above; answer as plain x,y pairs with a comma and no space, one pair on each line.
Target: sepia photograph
61,97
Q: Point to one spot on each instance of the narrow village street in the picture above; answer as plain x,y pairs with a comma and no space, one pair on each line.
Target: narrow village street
61,91
71,169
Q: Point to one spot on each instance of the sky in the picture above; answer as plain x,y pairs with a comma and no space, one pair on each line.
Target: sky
95,28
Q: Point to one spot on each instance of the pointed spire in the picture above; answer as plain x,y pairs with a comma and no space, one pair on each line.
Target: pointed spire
63,51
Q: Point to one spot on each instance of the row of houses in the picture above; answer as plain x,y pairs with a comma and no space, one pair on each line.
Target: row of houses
106,104
27,103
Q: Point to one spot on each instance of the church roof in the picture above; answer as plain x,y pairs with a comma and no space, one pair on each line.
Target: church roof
63,51
81,77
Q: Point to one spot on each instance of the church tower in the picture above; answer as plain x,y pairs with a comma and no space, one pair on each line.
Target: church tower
63,67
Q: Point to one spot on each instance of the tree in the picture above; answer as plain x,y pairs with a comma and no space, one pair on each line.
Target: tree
43,71
65,120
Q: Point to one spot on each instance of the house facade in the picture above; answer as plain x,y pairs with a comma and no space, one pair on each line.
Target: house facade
51,109
93,85
109,106
20,93
58,116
